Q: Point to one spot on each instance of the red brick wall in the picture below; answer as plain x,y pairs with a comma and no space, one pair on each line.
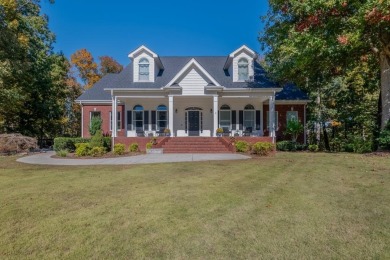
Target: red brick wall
282,119
105,114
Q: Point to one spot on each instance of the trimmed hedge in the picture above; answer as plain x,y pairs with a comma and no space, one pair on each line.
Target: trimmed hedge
69,143
242,146
262,148
289,146
119,149
133,147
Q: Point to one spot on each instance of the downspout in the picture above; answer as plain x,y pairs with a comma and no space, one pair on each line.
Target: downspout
82,120
112,123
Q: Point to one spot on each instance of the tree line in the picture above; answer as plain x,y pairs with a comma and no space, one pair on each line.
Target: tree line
339,52
38,87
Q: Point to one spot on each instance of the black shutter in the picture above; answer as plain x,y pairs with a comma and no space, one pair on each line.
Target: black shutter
240,119
258,117
234,119
146,120
129,120
153,120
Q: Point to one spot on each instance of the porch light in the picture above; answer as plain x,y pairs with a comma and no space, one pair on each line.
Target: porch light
211,110
176,110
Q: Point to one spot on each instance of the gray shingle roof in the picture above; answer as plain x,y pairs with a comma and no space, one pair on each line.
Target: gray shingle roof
291,92
212,64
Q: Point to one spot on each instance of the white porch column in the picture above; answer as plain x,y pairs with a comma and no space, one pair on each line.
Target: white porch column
170,110
272,126
215,115
114,118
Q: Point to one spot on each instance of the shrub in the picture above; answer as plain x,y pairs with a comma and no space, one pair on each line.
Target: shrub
384,137
119,149
97,140
149,146
82,149
96,124
67,143
262,148
133,147
62,153
97,151
289,146
107,143
14,143
362,146
294,128
242,146
313,148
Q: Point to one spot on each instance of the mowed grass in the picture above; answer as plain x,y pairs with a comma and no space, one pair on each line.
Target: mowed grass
293,205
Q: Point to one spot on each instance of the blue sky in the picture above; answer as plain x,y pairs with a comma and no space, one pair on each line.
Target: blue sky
169,28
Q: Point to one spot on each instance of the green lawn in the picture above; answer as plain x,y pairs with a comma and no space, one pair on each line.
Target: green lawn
293,205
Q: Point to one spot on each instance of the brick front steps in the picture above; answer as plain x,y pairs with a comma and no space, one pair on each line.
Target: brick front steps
195,145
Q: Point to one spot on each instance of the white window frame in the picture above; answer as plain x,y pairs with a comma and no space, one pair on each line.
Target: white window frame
90,115
119,121
244,63
144,63
289,117
134,117
158,116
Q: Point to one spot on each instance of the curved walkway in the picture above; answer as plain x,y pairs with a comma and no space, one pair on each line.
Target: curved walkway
45,159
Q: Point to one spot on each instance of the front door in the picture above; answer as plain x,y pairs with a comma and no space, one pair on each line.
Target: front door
193,123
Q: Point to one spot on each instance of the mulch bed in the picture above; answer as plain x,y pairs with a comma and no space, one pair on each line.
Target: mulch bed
107,155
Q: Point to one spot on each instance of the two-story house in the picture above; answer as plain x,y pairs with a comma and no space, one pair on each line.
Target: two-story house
192,96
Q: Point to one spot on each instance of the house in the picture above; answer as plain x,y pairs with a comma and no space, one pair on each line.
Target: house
192,96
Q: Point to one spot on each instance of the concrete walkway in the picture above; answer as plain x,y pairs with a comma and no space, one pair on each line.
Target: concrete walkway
45,158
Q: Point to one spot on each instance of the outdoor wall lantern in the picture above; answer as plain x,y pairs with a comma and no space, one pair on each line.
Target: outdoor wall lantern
211,110
176,110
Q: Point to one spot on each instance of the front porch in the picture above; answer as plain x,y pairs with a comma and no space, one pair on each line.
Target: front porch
186,116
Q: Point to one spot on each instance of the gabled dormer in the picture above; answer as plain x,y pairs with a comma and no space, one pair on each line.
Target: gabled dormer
242,63
146,64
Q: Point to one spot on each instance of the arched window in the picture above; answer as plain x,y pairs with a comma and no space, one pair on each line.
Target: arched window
224,118
162,117
243,69
144,69
249,118
138,118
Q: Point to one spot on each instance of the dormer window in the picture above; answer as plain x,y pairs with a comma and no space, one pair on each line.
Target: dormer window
243,69
144,69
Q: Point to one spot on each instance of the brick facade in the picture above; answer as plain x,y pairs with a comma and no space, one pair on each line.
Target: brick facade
105,115
282,119
106,109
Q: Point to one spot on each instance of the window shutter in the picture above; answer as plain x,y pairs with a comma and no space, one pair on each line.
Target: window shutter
234,121
153,120
129,120
218,118
146,120
258,119
240,119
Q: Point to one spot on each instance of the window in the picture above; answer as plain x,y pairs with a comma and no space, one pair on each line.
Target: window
162,117
138,118
243,69
144,69
94,114
276,120
224,117
292,115
118,120
249,118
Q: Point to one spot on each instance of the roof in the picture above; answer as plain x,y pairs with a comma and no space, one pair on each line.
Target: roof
212,64
291,92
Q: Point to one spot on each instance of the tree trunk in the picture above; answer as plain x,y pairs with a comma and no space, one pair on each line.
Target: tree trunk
385,86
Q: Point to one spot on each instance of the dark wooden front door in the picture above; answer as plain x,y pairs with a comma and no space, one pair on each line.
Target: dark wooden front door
193,123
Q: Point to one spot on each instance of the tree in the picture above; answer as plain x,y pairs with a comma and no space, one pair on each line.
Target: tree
86,66
109,65
31,76
96,125
294,128
320,41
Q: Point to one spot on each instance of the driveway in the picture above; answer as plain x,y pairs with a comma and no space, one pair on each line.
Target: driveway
45,159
